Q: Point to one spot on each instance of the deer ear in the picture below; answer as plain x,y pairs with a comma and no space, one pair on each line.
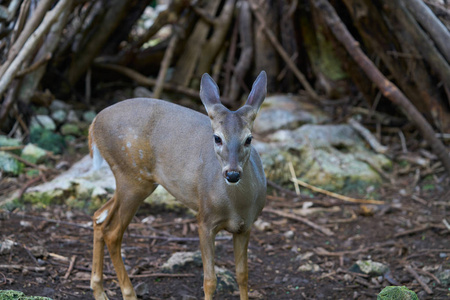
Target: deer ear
256,97
258,93
209,92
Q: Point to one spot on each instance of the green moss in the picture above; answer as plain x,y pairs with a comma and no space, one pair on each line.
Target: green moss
47,139
397,293
16,295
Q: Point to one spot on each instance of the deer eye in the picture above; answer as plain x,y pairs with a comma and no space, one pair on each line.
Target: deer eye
217,140
248,141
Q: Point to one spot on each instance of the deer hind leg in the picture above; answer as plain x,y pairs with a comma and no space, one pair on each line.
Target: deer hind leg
110,223
240,245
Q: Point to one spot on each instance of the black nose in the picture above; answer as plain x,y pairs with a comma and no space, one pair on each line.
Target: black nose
233,177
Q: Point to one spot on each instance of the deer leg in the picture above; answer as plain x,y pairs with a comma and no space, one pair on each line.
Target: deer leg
207,237
240,244
127,199
98,252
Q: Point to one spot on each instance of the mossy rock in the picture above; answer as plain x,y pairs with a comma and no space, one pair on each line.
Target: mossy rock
47,140
16,295
397,293
10,165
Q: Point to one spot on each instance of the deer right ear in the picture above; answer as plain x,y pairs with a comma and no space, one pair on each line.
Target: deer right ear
258,92
209,93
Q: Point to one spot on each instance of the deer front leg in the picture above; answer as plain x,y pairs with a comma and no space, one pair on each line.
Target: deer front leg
240,244
207,237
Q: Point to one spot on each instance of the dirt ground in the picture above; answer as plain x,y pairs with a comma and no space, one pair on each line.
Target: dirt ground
290,260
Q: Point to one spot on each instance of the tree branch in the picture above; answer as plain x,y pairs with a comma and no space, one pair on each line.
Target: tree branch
388,89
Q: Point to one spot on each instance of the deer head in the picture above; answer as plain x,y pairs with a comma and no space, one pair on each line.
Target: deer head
232,130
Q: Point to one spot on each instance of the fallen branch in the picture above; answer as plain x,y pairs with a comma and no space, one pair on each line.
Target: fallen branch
145,81
335,195
142,276
69,270
419,280
20,267
368,136
31,44
388,89
311,224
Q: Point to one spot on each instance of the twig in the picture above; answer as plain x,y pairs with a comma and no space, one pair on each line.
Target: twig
20,267
368,136
291,169
11,148
34,66
27,185
141,79
419,280
412,231
142,276
284,55
338,196
72,263
324,230
281,189
165,64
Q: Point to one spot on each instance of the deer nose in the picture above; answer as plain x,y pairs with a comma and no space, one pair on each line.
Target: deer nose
233,176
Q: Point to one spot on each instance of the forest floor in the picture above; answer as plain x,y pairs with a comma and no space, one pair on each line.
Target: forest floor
407,234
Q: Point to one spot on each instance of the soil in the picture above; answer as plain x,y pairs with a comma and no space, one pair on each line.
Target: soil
407,234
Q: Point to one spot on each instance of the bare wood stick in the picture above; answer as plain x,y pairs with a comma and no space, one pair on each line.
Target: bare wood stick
20,267
368,136
72,263
143,276
411,231
437,30
335,195
165,65
142,80
31,43
284,55
34,66
30,26
388,89
419,280
311,224
291,169
10,148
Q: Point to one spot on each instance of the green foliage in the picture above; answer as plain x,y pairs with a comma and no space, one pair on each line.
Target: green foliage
47,139
397,293
9,164
16,295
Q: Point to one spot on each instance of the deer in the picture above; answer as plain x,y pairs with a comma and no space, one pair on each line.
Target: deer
205,161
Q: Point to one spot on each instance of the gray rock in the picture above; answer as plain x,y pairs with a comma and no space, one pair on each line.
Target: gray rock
89,116
286,112
180,260
142,289
142,92
370,267
70,129
42,121
225,280
6,246
323,155
72,117
444,277
262,225
59,105
59,116
9,164
8,142
309,267
33,153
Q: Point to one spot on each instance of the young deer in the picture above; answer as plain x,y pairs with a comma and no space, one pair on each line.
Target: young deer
208,164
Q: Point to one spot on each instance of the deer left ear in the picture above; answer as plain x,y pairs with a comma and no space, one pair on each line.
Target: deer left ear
256,97
259,91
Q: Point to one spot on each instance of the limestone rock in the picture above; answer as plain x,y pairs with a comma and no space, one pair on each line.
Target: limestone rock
33,154
333,157
180,260
370,267
42,121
